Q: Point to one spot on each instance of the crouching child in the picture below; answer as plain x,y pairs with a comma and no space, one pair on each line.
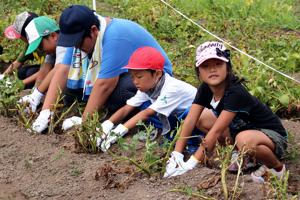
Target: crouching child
168,96
240,117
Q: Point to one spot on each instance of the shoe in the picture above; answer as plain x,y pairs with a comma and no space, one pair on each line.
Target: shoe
247,164
259,175
280,174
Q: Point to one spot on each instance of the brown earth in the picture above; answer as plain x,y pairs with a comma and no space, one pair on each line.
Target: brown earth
45,167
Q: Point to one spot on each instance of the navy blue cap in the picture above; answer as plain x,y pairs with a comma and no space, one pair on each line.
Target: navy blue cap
73,23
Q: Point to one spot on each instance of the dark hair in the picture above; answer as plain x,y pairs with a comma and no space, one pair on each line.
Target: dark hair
29,18
87,32
231,78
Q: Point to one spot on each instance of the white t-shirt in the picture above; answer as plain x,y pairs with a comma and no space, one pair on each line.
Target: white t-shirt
60,57
175,97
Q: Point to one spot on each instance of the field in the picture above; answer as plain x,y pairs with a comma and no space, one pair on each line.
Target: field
55,166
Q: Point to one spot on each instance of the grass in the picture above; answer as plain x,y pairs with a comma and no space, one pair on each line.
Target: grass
267,30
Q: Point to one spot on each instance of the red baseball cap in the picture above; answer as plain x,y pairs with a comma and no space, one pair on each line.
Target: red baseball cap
146,58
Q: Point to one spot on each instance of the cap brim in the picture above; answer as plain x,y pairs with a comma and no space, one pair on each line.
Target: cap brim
33,46
134,67
211,57
11,33
69,40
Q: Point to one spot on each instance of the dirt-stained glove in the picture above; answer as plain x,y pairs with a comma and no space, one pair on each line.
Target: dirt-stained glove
41,122
173,163
71,122
106,128
112,137
185,166
34,99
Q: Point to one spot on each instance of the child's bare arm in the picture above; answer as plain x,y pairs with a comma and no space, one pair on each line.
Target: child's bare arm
143,115
209,142
30,79
188,126
15,65
121,114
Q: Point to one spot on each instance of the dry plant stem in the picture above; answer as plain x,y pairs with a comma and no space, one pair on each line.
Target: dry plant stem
64,114
223,181
147,171
193,194
240,164
225,162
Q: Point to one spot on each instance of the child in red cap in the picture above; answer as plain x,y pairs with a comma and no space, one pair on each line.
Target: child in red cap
168,96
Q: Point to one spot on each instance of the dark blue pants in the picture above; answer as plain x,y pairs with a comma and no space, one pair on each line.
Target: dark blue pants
27,71
192,143
124,90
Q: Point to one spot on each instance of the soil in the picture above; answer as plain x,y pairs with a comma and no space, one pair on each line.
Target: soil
47,167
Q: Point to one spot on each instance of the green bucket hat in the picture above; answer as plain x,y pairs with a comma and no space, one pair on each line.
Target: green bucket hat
37,29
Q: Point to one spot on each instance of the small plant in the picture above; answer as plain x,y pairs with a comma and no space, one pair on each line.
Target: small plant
59,155
58,114
86,135
224,157
24,118
276,188
190,192
153,159
75,171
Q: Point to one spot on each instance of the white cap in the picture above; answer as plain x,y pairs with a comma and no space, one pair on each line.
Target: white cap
208,50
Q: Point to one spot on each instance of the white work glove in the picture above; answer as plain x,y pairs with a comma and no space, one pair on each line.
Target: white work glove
41,122
34,99
174,161
112,137
71,122
1,76
185,166
106,128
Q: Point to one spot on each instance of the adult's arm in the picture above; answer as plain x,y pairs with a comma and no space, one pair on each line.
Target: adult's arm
102,89
57,84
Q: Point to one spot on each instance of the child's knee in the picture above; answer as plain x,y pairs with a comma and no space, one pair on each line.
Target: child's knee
245,143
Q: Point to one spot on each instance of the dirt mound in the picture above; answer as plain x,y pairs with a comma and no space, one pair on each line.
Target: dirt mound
45,167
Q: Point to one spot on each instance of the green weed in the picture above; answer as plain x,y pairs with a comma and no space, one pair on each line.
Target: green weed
86,135
153,158
10,88
266,29
187,190
75,172
59,155
58,113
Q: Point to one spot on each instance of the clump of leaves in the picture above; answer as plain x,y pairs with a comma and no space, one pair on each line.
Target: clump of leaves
152,159
275,188
24,118
86,135
10,87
